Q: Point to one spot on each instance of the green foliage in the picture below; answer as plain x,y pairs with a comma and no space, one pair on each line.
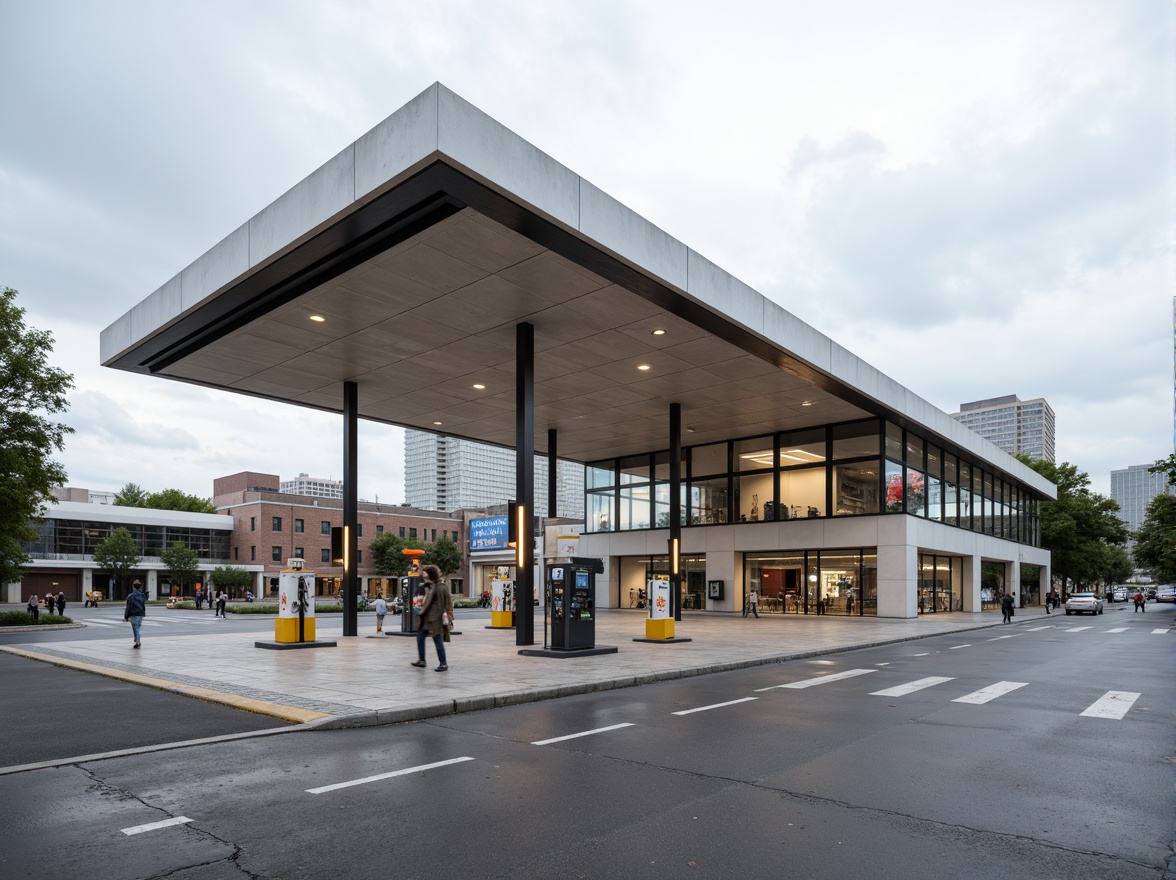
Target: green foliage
1155,542
1165,466
117,554
232,576
130,495
23,618
1080,528
30,392
443,553
387,557
256,608
183,564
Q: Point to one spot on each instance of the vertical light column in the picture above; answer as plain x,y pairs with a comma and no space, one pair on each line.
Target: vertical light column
552,473
676,510
525,482
350,507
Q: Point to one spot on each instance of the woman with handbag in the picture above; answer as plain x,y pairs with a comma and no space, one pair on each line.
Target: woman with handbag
436,612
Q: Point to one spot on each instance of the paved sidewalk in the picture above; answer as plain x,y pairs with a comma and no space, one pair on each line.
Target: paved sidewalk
367,679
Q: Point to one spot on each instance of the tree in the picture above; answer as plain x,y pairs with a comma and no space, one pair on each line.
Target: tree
31,391
443,553
1165,466
183,564
1155,542
117,554
386,554
1119,566
1080,527
130,495
232,576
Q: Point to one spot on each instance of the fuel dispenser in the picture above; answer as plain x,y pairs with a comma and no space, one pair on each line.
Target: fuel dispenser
502,599
572,591
295,621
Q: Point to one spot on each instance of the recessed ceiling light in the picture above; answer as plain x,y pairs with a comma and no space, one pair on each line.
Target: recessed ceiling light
318,319
643,366
436,423
689,429
479,386
806,403
659,332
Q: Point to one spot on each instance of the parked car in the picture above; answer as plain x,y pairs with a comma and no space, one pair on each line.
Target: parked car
1166,593
1084,603
1149,593
1115,594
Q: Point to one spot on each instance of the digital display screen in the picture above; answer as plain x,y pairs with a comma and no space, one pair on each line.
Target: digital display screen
582,579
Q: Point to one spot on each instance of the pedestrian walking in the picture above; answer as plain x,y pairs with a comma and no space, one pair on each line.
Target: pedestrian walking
61,604
381,612
136,609
752,602
199,599
436,617
1006,607
1140,602
222,599
34,607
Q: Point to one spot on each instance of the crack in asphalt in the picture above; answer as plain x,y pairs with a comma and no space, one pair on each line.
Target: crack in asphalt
102,786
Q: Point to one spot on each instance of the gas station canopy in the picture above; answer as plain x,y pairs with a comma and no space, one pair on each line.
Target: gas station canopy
405,263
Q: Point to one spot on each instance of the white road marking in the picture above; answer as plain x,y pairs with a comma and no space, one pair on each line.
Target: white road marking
715,706
924,654
882,664
957,647
555,739
1112,704
1078,629
96,623
910,687
377,778
151,826
991,692
1034,629
1159,632
998,638
820,679
1118,629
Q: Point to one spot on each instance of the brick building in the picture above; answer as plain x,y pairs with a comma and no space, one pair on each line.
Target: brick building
271,526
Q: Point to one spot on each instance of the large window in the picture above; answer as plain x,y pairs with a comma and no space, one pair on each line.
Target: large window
842,582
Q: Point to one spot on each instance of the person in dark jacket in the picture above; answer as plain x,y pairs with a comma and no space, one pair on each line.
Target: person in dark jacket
1006,607
436,612
61,603
136,609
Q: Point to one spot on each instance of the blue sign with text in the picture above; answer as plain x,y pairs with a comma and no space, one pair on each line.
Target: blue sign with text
489,533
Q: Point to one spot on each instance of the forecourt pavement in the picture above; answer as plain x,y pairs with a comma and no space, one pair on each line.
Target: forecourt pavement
366,680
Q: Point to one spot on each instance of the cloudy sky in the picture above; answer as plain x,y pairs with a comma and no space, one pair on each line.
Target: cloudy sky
976,197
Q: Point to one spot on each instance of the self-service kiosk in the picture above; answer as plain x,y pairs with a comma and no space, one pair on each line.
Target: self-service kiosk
502,599
412,592
572,592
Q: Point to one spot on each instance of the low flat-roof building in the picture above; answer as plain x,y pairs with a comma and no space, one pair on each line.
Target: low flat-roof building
443,274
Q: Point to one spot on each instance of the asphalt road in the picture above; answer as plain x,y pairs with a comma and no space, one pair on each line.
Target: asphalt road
979,755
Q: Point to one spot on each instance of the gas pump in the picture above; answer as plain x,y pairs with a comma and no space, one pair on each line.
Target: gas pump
659,625
412,592
295,621
502,599
572,592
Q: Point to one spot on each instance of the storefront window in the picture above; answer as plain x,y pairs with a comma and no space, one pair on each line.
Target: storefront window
802,447
893,487
855,488
635,504
600,512
840,589
706,460
965,495
802,493
951,491
894,442
755,499
857,440
708,502
940,584
916,492
754,454
778,578
934,498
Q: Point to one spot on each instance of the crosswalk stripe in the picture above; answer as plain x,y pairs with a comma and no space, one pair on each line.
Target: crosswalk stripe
1158,632
991,692
910,687
957,647
1078,629
1118,629
1112,704
97,623
1034,629
820,679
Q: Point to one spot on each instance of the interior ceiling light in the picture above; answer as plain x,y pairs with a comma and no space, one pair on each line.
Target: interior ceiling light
801,455
436,423
806,403
318,319
643,367
479,386
764,458
659,332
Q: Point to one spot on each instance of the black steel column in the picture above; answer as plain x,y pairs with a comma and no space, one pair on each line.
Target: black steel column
525,482
676,509
552,474
350,507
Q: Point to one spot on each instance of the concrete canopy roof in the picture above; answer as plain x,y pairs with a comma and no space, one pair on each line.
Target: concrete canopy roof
423,245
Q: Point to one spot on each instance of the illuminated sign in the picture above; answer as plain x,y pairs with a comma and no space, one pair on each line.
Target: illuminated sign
489,533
